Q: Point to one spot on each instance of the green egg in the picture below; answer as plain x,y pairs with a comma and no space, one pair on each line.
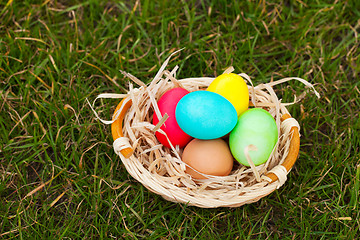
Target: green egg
255,127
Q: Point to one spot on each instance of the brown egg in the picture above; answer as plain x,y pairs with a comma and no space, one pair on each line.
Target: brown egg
212,157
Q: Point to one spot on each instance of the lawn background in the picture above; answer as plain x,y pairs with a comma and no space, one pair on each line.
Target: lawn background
59,176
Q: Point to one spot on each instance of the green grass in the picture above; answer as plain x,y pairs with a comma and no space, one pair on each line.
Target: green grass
59,175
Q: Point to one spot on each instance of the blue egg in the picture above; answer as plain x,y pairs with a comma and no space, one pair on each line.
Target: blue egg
205,115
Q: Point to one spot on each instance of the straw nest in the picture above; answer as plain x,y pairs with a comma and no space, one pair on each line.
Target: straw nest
161,169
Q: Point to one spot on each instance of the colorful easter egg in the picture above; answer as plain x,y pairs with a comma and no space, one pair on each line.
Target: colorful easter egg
167,104
254,127
232,87
205,115
211,157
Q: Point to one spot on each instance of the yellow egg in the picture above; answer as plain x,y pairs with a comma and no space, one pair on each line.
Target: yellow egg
232,87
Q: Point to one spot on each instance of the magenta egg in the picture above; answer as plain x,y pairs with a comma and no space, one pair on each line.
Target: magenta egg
167,104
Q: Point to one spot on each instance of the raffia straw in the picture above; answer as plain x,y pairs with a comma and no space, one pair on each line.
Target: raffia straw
251,163
161,169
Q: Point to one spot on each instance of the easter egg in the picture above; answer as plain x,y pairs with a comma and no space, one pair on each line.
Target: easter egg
233,88
205,115
211,157
167,104
255,127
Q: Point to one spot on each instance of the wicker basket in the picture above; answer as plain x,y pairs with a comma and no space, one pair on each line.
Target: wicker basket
161,170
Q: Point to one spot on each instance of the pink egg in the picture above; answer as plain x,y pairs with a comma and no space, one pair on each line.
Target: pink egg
167,104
